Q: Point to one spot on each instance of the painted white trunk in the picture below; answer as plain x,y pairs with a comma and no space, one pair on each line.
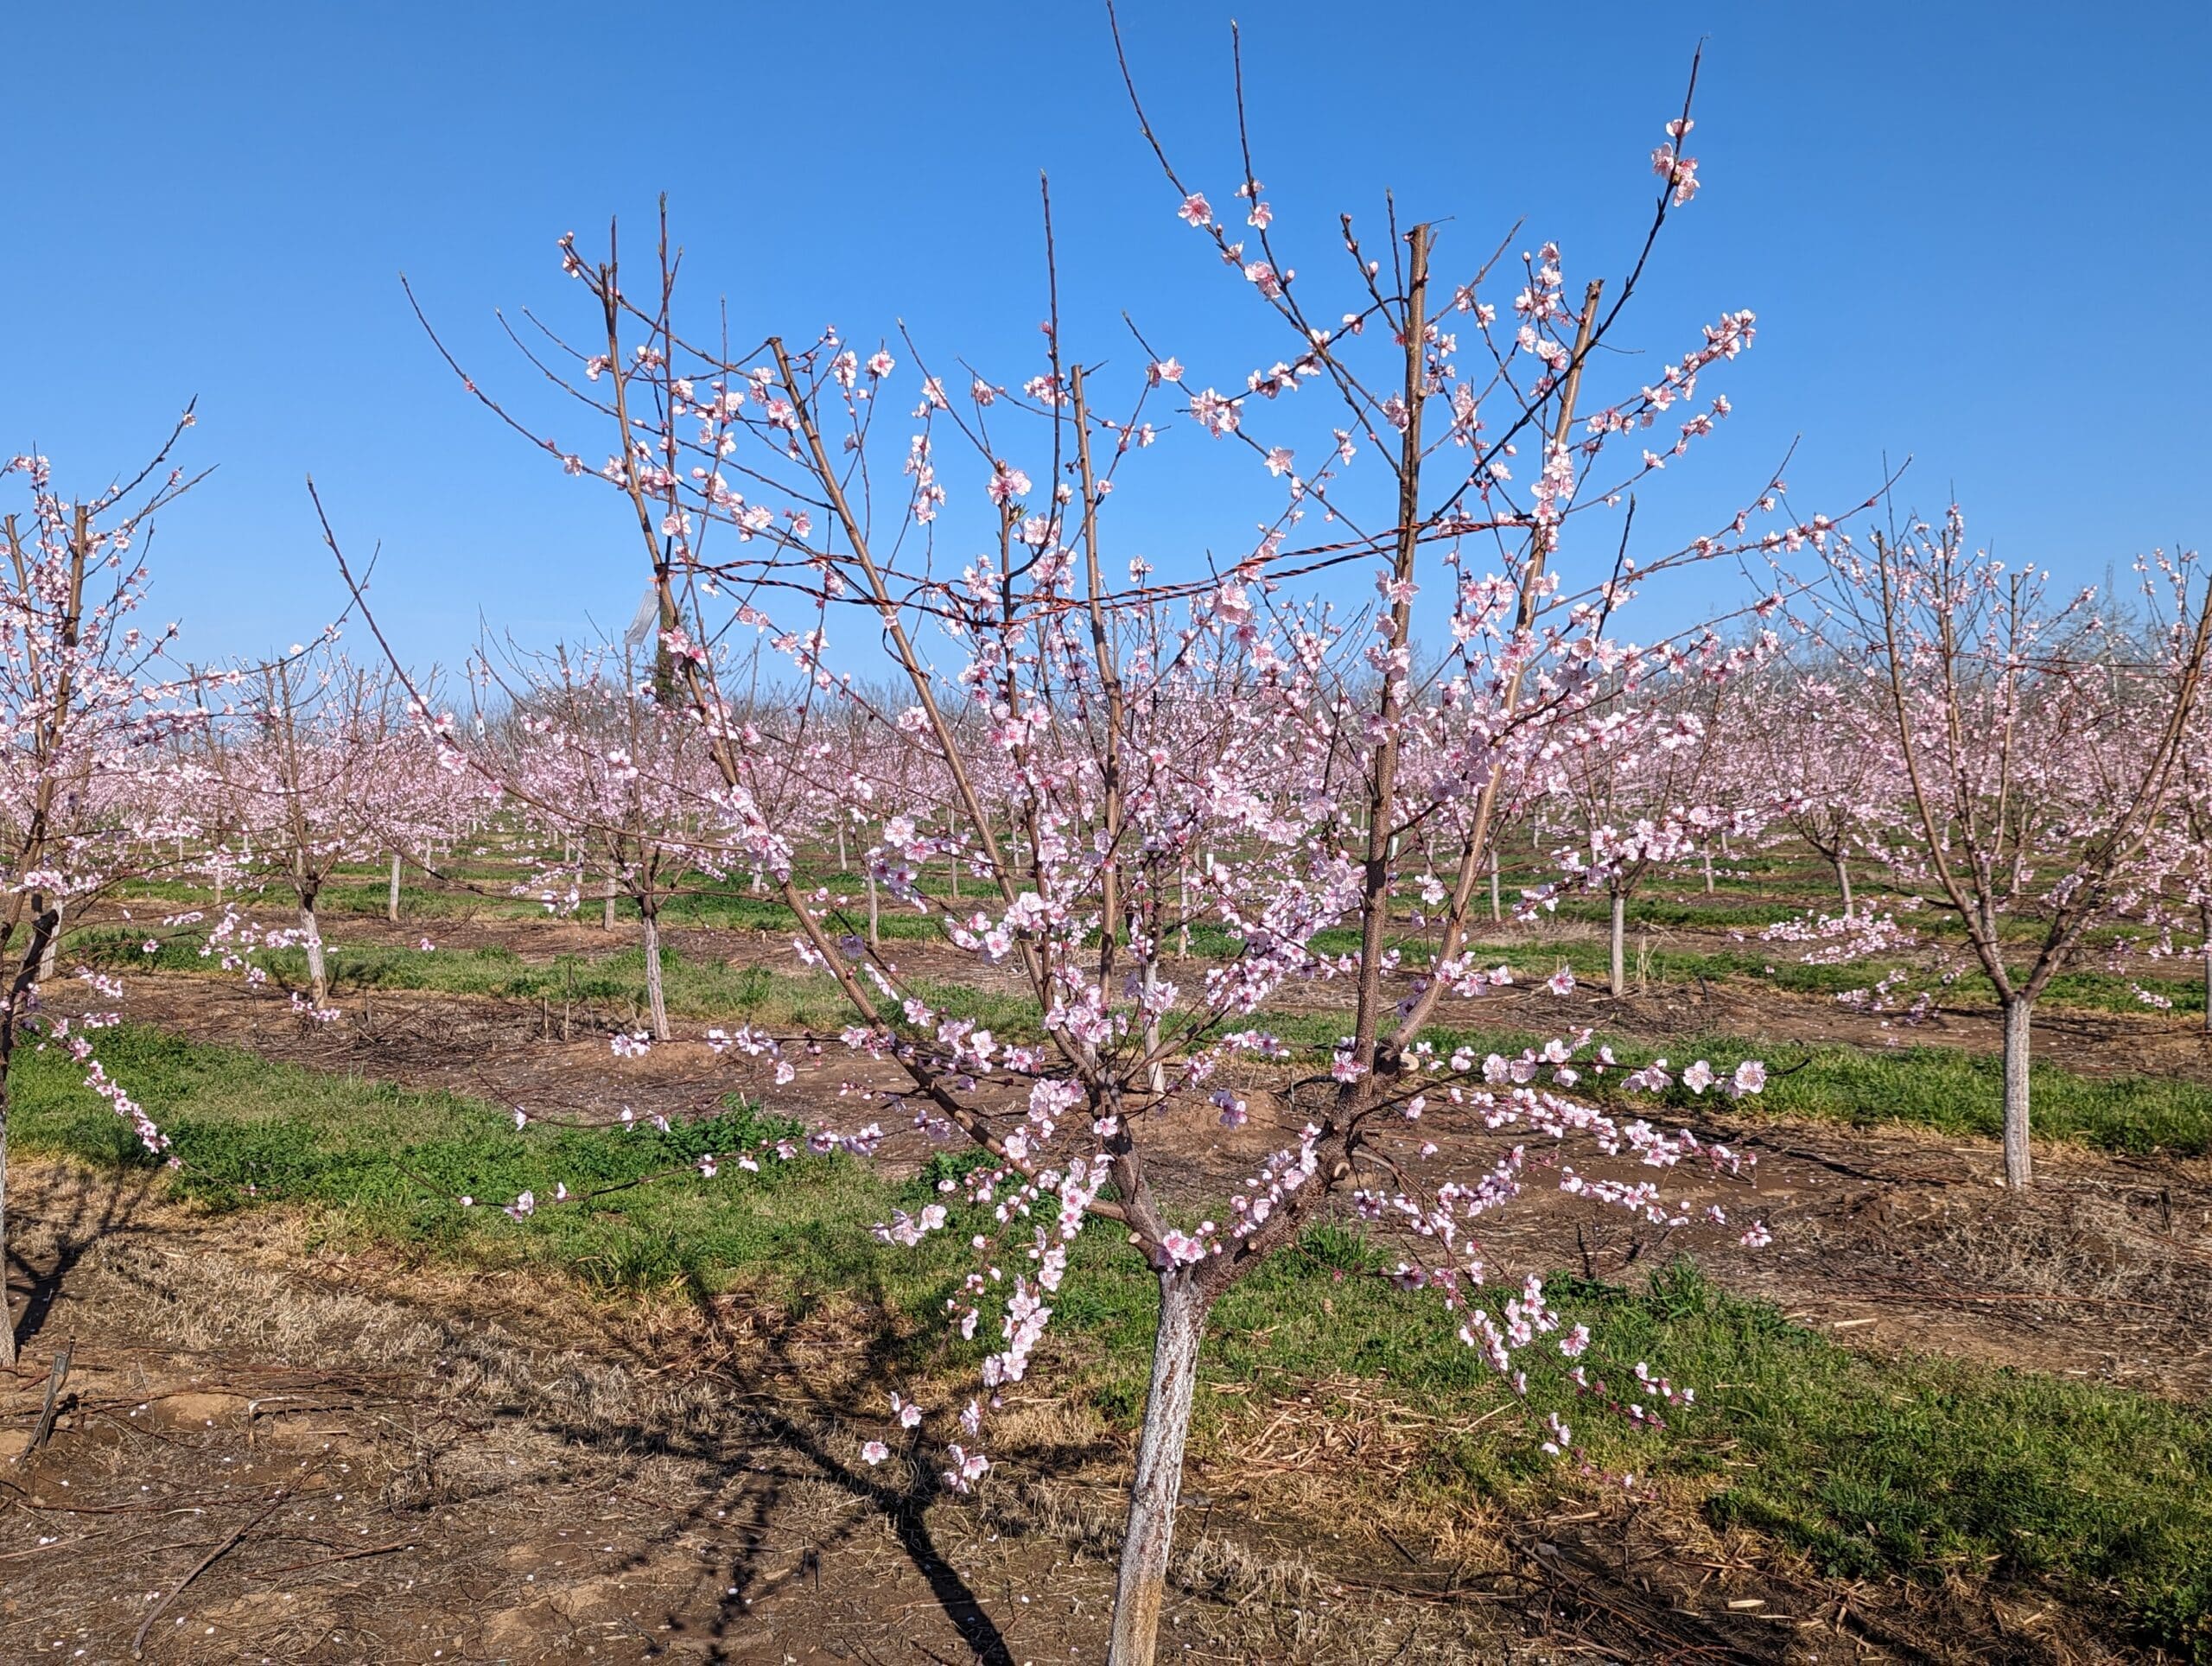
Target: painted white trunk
392,902
840,846
874,939
1496,913
1157,1070
50,959
1708,870
656,995
2018,1165
318,973
606,908
1620,926
1142,1587
1843,883
1183,912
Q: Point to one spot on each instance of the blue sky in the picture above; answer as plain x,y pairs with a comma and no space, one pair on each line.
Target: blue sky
1973,234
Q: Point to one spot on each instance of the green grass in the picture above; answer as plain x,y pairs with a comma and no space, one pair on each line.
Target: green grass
1912,1468
1951,1090
1948,1089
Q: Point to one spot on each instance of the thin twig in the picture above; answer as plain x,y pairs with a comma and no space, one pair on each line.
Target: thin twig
345,1555
138,1643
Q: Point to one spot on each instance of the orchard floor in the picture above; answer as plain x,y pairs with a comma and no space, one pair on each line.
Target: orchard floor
1888,1236
315,1451
2093,1042
274,1451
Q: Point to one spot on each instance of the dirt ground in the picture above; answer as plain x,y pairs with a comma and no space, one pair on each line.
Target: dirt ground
270,1449
2104,1270
2093,1043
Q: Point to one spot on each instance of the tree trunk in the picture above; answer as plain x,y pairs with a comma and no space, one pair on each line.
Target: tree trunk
2019,1165
1496,914
1724,850
1843,880
1620,924
656,996
50,962
2207,983
875,939
318,973
1142,1586
392,902
1182,931
1157,1070
607,909
840,846
7,1311
1708,869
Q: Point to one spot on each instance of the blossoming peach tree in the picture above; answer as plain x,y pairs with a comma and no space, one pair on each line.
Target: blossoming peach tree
2041,751
89,714
1134,747
314,763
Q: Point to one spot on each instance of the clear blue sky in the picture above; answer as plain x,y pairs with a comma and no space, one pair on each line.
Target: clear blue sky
1974,233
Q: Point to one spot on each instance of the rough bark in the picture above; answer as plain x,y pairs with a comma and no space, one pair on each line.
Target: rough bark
1141,1588
7,1311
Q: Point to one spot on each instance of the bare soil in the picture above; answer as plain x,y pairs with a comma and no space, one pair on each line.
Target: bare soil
2104,1270
270,1450
284,1449
2091,1043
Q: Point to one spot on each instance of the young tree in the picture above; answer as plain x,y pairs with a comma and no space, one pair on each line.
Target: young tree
595,756
2179,899
313,755
2040,754
1099,732
1814,734
1632,786
87,721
